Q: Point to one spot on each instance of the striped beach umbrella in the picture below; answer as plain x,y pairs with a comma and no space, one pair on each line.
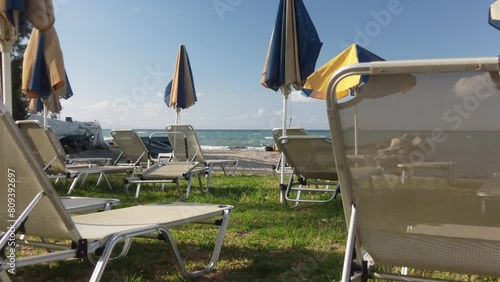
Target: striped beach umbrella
9,19
317,82
180,92
44,78
494,15
293,50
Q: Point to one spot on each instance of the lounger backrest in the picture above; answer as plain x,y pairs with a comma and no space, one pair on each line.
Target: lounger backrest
437,142
131,145
194,152
310,156
23,175
44,144
292,131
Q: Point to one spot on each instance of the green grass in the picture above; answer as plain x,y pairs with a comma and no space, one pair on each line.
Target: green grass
265,240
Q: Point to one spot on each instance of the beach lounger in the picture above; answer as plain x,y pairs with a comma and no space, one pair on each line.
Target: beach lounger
132,147
186,146
50,154
39,213
431,223
35,129
277,134
169,172
313,169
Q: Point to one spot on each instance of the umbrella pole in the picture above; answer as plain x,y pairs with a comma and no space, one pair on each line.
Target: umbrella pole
6,75
356,130
177,113
45,121
286,92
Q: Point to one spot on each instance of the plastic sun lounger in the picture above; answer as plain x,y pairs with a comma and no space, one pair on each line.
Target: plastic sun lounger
169,172
87,204
40,213
34,125
431,223
186,147
132,147
43,142
277,134
312,162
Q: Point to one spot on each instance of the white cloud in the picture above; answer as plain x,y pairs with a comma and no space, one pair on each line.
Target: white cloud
296,96
152,109
259,112
98,105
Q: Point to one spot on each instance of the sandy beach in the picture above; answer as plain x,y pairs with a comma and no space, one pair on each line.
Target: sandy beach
249,161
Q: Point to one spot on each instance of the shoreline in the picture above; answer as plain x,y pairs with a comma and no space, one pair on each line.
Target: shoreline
249,161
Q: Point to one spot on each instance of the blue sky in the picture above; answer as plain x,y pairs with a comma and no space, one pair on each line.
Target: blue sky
120,54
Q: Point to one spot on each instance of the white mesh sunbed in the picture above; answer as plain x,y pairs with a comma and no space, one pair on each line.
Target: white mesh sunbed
39,212
435,222
44,144
186,146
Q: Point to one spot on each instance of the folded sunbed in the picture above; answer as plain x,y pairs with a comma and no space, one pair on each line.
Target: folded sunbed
435,222
38,212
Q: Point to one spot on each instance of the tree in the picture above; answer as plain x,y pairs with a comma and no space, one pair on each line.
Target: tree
19,101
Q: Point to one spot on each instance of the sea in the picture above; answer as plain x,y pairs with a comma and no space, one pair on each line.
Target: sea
475,152
226,139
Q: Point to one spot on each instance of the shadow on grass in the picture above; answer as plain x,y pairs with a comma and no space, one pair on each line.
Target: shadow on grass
150,261
265,240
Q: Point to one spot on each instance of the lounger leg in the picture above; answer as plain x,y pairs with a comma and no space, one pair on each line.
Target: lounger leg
201,185
209,174
223,169
73,184
125,187
349,250
215,252
188,189
178,188
84,179
107,181
125,249
235,167
137,190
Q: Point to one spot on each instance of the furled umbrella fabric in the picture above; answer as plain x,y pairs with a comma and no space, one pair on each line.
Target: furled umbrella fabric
44,76
317,82
180,93
352,85
494,15
294,47
293,50
11,6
